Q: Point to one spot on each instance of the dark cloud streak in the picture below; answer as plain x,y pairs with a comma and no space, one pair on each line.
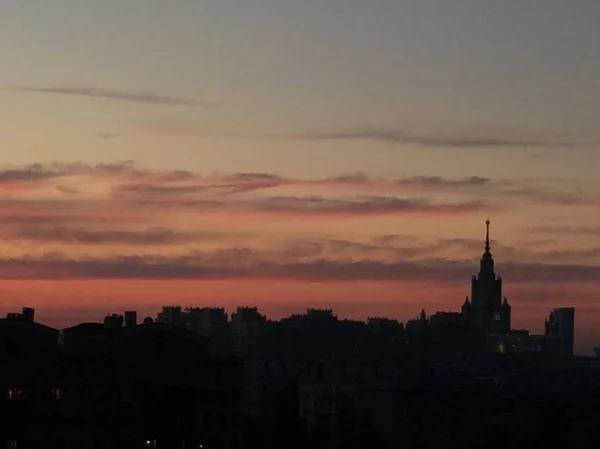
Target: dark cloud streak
217,266
441,182
319,206
105,93
149,237
365,205
592,231
398,136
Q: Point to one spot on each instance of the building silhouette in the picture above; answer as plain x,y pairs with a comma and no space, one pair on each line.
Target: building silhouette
212,323
27,314
487,310
172,315
106,385
247,328
130,318
209,322
561,325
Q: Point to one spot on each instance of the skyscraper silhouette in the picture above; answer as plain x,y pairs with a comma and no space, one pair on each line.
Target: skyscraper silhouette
488,311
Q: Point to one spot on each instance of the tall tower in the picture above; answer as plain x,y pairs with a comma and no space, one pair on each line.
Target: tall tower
489,312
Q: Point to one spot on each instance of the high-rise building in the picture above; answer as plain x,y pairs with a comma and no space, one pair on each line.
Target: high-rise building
171,315
130,318
487,309
212,323
247,325
561,324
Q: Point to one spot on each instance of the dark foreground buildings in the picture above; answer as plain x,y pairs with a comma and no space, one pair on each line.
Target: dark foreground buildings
109,385
463,379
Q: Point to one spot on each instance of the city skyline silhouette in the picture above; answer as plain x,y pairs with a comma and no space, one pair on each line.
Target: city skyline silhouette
292,156
485,306
299,224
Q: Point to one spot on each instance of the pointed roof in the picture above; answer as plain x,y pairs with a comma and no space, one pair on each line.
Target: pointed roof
487,236
487,261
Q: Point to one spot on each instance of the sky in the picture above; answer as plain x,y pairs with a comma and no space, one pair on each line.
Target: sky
341,154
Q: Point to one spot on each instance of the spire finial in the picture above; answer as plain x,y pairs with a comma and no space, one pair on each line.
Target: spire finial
487,235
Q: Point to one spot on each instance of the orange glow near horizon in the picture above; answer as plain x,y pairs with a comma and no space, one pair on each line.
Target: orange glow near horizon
116,237
293,154
68,302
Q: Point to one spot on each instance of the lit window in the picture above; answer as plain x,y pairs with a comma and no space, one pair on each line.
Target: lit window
13,393
150,444
57,393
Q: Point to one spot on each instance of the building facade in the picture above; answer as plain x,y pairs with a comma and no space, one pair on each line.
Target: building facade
247,327
99,385
561,325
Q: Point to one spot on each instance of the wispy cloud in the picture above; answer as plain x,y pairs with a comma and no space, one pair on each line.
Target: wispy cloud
90,236
474,186
118,208
365,206
93,230
141,186
469,184
439,181
122,189
585,230
182,183
56,170
246,263
35,172
186,197
400,136
107,93
540,192
547,195
22,217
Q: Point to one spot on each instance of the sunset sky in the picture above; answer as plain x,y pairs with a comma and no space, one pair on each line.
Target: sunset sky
291,154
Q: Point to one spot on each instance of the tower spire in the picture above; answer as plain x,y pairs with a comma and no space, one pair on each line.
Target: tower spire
487,236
